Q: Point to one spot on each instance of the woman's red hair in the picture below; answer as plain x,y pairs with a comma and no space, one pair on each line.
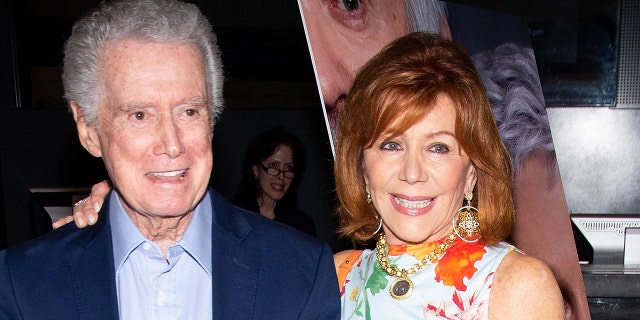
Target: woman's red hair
395,90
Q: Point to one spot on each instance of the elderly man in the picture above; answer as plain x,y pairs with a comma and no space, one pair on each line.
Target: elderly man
144,82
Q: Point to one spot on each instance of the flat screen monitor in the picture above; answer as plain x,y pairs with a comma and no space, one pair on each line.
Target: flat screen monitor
606,234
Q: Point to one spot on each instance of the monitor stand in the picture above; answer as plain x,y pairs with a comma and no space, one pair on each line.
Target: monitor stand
606,235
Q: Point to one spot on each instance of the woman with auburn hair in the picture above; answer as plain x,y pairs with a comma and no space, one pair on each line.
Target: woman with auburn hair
420,167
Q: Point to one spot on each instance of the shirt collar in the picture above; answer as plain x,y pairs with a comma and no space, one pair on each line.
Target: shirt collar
196,240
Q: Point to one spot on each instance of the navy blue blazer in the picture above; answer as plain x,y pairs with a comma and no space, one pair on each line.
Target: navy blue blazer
261,270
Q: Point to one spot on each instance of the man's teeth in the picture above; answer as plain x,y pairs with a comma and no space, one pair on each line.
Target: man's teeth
412,204
169,173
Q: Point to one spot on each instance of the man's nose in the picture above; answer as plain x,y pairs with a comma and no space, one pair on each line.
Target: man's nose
170,142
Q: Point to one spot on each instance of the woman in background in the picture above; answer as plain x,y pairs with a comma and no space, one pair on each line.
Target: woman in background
273,166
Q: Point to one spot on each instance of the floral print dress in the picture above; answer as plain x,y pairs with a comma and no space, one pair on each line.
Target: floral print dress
456,287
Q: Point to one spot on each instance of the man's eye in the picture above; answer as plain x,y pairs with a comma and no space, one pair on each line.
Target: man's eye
191,112
349,5
139,115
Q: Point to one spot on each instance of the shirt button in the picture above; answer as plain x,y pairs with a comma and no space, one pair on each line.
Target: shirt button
146,246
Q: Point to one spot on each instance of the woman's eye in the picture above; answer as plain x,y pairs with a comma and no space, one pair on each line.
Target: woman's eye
349,5
440,148
390,146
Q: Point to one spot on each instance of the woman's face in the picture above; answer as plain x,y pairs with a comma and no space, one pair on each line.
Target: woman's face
275,187
417,180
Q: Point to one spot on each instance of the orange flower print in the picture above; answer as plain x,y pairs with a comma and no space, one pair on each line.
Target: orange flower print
418,251
397,250
457,263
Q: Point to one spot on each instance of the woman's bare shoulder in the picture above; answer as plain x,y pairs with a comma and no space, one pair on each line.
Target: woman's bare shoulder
525,288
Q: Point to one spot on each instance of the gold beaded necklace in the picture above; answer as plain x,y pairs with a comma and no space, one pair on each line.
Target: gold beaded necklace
402,287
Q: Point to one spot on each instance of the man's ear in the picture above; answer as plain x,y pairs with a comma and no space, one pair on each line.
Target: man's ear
87,134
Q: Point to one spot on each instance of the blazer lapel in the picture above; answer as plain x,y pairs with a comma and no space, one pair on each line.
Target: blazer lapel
92,271
234,265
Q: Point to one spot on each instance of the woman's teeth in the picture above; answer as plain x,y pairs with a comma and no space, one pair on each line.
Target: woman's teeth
412,204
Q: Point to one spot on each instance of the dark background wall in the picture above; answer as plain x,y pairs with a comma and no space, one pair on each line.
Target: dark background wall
270,81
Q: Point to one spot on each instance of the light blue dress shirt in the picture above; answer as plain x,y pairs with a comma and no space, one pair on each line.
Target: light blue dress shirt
152,287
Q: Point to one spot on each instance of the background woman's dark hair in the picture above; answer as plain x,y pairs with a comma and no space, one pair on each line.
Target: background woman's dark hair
260,148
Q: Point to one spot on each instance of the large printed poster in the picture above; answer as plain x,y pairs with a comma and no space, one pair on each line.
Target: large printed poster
342,35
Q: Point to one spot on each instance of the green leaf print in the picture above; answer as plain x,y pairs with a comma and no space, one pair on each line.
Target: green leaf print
377,281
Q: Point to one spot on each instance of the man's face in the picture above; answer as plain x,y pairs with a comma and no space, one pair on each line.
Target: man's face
343,36
154,131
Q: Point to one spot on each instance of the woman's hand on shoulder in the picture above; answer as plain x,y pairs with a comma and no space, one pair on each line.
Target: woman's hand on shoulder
525,288
85,211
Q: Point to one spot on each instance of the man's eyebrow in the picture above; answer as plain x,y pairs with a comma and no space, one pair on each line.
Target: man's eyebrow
195,101
123,108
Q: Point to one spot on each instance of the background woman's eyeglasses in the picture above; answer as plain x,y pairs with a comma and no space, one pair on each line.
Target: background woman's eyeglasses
276,172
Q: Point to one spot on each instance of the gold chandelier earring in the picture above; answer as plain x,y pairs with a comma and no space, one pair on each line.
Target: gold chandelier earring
466,224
